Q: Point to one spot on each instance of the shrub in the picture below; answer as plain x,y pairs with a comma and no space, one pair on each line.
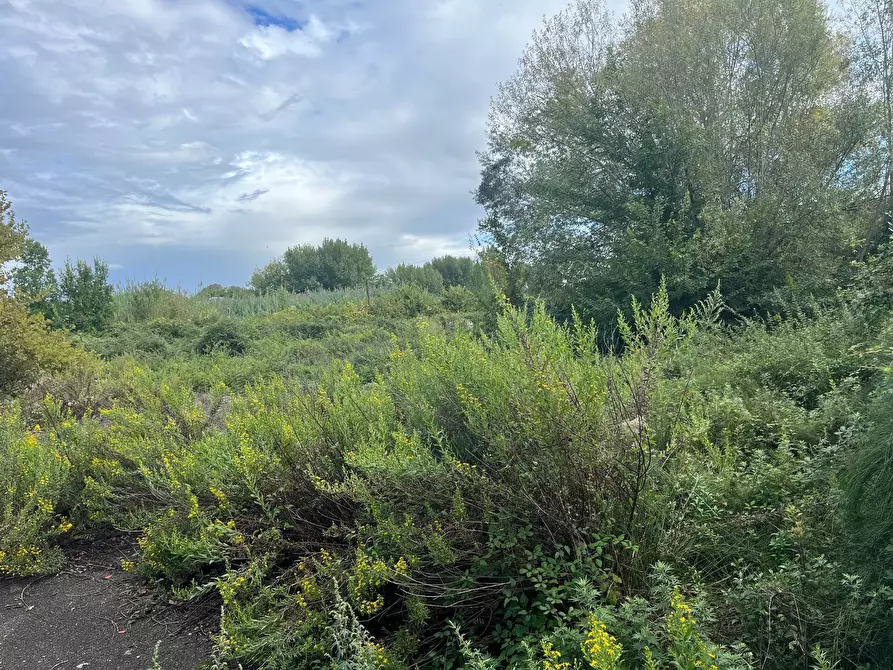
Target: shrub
34,279
335,264
425,277
141,302
13,234
34,470
460,299
868,477
224,335
406,300
350,495
29,349
662,632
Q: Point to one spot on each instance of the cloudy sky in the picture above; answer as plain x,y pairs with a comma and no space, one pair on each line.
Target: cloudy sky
197,139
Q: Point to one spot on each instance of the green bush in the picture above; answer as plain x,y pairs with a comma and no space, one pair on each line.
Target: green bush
223,335
425,277
141,302
35,470
460,299
868,477
407,300
28,349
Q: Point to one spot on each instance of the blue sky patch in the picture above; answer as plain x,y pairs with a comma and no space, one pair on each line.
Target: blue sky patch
264,18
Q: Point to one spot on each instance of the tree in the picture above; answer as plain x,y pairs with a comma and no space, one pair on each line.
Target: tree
424,276
34,279
221,291
13,234
335,264
27,346
699,141
84,297
459,271
871,23
302,268
343,265
270,277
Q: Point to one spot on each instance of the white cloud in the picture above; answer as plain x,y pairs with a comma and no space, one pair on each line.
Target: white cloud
153,131
269,42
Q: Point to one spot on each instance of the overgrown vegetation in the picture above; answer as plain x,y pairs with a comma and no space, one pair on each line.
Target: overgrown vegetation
649,428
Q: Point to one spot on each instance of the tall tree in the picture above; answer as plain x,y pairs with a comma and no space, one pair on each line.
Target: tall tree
700,141
871,24
458,271
84,297
13,234
34,279
424,276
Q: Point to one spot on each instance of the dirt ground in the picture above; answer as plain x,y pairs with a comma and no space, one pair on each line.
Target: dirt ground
94,616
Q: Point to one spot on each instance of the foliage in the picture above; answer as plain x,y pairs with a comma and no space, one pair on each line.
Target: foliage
622,152
444,272
28,348
35,470
12,236
405,301
460,299
426,277
220,291
516,485
868,477
222,335
335,264
368,477
459,271
84,299
34,279
140,302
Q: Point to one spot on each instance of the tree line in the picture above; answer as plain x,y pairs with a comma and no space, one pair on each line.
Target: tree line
79,298
338,264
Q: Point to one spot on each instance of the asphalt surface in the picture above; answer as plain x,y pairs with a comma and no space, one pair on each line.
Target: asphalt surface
94,616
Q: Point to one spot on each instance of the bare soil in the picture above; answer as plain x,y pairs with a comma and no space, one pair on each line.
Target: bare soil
94,616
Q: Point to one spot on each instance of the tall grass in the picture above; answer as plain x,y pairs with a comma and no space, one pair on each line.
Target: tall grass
139,302
281,299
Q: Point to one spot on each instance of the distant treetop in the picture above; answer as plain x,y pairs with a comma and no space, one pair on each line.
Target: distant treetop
335,264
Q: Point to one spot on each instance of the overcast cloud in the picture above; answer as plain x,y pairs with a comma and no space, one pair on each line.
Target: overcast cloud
199,138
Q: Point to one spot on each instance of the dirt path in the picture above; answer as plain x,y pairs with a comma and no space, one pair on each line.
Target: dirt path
94,616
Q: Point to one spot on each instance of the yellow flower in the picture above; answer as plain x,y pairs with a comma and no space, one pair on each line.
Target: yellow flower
401,567
552,658
600,648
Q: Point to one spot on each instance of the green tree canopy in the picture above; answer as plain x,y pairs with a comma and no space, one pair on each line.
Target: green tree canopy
458,271
34,279
84,298
221,291
335,264
12,236
440,273
422,275
700,141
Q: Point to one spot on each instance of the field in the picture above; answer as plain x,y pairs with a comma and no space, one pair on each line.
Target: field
397,484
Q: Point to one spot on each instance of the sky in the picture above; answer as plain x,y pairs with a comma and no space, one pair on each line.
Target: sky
197,139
